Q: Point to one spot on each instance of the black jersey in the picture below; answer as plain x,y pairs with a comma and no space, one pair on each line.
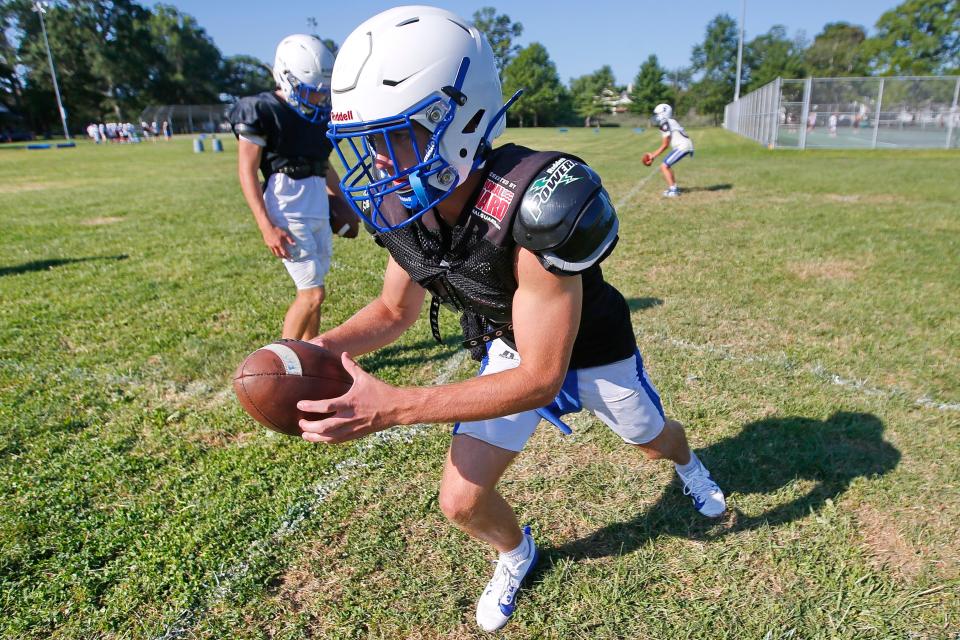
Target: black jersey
468,267
293,146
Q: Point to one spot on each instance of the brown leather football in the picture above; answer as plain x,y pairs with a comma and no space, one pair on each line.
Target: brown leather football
272,379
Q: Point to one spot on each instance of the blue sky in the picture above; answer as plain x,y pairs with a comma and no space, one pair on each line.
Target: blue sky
580,36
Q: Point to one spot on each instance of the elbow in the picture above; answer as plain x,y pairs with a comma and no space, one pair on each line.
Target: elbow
545,390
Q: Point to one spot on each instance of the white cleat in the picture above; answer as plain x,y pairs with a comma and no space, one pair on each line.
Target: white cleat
671,193
706,494
498,601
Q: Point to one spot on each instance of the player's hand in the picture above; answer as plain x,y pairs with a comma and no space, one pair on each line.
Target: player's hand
366,408
276,240
324,343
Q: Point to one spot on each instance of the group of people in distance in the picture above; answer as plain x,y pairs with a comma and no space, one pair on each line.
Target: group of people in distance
103,133
509,237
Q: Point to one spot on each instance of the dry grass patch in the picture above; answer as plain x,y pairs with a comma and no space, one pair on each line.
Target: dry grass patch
888,548
101,220
876,198
827,269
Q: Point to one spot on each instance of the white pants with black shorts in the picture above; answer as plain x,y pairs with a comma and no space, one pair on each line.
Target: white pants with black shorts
620,394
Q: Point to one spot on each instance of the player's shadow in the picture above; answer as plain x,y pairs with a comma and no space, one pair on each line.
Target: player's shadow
726,186
817,459
402,355
50,263
640,304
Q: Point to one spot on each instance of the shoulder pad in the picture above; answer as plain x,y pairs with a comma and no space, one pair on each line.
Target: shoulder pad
566,218
245,117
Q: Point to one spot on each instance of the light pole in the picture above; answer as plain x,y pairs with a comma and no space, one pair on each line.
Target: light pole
743,17
41,8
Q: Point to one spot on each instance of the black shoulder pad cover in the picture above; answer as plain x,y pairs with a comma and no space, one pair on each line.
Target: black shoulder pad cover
244,117
566,218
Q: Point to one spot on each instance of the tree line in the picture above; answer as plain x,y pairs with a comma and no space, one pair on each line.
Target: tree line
917,37
114,57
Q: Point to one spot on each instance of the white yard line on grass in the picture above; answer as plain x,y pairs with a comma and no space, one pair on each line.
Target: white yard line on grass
817,370
635,190
224,582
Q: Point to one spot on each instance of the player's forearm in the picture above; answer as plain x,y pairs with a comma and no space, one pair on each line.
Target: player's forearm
250,186
480,398
372,327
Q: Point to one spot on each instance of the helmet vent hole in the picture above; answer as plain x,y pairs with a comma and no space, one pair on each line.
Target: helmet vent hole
464,27
463,153
471,126
408,21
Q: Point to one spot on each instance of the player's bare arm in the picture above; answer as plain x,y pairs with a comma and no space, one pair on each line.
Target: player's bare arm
383,320
546,316
248,164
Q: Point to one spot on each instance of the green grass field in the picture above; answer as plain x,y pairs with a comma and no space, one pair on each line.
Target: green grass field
799,311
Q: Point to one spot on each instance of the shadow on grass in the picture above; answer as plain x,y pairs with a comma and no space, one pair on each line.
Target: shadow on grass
766,457
639,304
45,265
713,187
411,354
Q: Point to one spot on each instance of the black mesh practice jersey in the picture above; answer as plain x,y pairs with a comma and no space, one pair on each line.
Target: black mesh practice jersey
291,141
469,267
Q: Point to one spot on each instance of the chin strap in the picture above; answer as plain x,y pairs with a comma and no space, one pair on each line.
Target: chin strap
484,147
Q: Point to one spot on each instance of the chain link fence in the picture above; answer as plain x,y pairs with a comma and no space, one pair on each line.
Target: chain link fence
870,113
188,118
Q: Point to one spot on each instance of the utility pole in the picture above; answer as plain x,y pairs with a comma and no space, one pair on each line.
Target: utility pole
41,8
743,17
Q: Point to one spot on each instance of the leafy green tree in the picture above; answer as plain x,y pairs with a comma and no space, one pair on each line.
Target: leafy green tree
187,61
716,60
243,75
500,32
11,88
770,55
838,51
918,37
587,90
649,88
533,71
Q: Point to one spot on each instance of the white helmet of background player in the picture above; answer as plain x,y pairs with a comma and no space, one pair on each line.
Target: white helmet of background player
302,68
662,113
409,65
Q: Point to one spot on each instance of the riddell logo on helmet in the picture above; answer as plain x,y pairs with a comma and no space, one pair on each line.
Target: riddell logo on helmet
340,116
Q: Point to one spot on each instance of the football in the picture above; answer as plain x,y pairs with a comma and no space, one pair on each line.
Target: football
343,220
272,379
647,159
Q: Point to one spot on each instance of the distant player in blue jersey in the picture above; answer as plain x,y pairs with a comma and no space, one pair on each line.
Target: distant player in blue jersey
679,142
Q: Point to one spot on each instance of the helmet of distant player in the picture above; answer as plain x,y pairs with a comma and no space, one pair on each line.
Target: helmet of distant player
302,69
404,68
662,113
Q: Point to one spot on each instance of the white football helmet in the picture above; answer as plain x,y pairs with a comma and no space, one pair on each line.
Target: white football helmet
662,113
302,69
407,65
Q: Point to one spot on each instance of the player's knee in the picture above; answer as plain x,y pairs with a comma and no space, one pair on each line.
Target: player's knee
312,298
458,505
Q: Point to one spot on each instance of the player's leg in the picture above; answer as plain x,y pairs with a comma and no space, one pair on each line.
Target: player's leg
302,320
468,497
622,396
667,170
308,265
480,453
668,175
